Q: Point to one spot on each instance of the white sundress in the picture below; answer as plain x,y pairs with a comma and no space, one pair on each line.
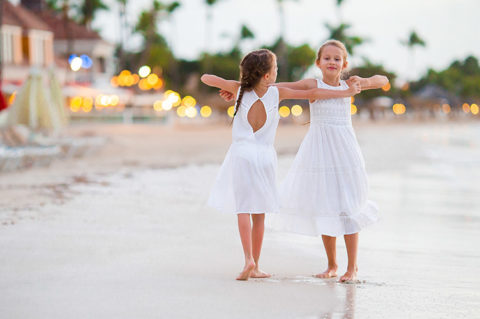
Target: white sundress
247,180
325,191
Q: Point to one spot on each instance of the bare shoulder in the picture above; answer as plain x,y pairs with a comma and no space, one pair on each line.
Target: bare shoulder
309,83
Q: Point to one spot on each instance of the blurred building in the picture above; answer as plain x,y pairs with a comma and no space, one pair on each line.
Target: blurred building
26,41
34,36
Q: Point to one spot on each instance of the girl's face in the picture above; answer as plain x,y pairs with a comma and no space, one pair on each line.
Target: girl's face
271,77
331,62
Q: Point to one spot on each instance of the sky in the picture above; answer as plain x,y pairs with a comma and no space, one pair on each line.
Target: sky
451,28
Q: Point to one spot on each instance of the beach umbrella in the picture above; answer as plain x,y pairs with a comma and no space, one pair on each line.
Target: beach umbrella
32,106
57,97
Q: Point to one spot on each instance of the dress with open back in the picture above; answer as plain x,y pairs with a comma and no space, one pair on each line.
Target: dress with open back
247,180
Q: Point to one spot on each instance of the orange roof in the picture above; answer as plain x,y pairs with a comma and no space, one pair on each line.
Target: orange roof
22,17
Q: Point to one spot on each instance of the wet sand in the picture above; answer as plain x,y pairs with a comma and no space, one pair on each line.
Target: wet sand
126,233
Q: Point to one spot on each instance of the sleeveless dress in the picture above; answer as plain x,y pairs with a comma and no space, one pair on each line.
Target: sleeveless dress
325,191
247,180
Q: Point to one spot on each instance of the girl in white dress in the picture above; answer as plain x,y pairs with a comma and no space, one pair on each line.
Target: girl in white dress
246,183
326,190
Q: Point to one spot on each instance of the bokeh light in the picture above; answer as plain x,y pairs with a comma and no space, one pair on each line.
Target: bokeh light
474,109
231,110
114,100
167,105
353,109
114,81
189,101
144,71
466,107
87,103
181,111
86,61
158,85
173,97
446,108
76,102
157,106
284,111
399,109
206,111
152,79
297,110
191,111
76,64
143,85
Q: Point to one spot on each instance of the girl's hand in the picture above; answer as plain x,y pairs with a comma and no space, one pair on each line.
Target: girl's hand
352,79
354,87
226,95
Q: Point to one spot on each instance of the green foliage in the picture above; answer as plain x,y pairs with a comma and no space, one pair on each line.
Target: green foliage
414,40
156,51
461,78
211,2
340,33
222,64
246,33
55,5
299,59
89,8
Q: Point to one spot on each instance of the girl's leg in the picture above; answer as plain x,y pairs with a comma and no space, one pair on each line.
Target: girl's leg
330,244
351,242
245,229
258,230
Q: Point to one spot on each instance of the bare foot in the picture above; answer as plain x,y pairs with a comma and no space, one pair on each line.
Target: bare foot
349,276
247,270
257,273
331,272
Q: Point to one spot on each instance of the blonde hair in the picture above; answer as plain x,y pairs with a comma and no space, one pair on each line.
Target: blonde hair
335,43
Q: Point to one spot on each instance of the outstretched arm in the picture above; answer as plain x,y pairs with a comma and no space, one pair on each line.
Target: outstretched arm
318,94
373,82
304,84
218,82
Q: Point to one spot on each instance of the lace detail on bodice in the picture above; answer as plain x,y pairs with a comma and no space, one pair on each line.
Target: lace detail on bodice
331,111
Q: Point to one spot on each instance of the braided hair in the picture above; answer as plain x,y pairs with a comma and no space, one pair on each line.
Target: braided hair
253,66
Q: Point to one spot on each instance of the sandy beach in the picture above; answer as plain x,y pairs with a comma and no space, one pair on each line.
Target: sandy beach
125,233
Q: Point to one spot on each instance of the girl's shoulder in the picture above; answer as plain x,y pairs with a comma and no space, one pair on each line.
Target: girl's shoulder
311,83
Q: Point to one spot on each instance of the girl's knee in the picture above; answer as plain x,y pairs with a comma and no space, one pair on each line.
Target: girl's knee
258,217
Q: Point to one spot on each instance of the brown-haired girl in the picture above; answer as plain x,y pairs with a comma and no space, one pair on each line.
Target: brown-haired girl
246,184
326,190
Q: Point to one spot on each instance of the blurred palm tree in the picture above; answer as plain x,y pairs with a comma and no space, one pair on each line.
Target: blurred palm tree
208,37
339,11
155,50
169,10
88,9
413,41
208,33
282,45
122,4
339,33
